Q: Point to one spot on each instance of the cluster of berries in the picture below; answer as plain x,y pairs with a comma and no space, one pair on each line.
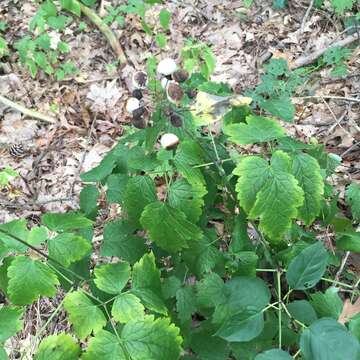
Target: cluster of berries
170,78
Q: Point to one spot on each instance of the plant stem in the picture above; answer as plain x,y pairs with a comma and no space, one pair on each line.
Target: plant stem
278,278
107,32
337,282
267,270
31,113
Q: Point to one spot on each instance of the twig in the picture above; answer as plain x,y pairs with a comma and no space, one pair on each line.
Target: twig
308,59
110,36
329,97
350,149
303,23
342,266
26,111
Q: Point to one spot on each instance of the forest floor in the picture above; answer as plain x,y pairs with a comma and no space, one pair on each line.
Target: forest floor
90,107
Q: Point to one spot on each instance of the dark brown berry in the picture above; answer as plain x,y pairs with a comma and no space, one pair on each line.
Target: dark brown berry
191,93
175,92
140,79
137,93
138,112
180,76
139,122
176,120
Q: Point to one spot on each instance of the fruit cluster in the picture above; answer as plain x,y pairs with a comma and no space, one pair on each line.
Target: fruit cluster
170,77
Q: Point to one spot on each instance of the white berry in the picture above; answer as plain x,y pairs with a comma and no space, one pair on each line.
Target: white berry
169,140
132,104
166,67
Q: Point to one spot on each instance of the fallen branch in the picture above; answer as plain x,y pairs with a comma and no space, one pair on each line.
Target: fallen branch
26,111
110,36
351,99
308,59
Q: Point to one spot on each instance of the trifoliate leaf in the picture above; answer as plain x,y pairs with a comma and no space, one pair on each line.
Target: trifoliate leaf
353,199
104,345
58,347
210,291
147,285
112,278
168,227
152,339
83,314
274,354
188,154
269,192
140,191
10,322
185,303
326,339
119,241
29,279
127,307
66,221
187,198
307,268
67,248
256,130
307,172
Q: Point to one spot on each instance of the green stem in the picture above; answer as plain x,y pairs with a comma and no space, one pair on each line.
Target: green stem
278,278
337,282
267,270
107,32
26,111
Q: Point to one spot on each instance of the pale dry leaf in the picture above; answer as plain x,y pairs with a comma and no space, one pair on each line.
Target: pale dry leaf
349,310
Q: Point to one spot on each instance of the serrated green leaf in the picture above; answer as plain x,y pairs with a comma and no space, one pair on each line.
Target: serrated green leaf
17,228
151,300
104,345
274,354
168,227
152,339
187,198
352,197
210,291
307,268
246,263
119,241
116,185
164,18
328,304
188,154
68,248
10,322
326,339
83,314
303,311
282,108
341,6
256,130
66,221
29,279
260,184
185,303
58,347
112,278
37,235
127,307
170,286
307,172
140,191
88,200
161,41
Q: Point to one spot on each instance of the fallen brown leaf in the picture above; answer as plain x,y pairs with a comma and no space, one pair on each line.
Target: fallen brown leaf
349,310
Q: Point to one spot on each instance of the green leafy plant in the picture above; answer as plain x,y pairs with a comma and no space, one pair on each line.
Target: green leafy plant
4,50
216,252
6,175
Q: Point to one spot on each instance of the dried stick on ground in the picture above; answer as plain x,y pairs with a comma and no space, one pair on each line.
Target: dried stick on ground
110,36
308,59
303,23
26,111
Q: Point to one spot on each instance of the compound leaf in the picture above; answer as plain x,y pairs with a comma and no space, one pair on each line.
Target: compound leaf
29,279
112,278
127,307
83,314
168,227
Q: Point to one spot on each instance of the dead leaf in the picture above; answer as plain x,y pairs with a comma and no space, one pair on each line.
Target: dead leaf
349,310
